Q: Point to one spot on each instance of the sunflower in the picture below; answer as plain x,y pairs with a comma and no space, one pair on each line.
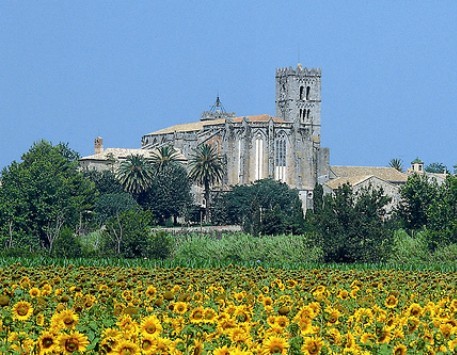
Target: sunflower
343,294
22,310
197,348
391,301
47,343
151,326
40,319
196,315
126,347
151,291
415,310
399,350
34,292
163,346
66,319
180,307
147,343
333,336
274,345
312,346
332,316
127,325
240,335
46,289
222,351
209,315
73,342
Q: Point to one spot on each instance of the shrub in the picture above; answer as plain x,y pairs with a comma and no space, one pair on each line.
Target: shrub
409,248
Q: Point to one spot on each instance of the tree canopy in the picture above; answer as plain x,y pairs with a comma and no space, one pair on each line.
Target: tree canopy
42,194
265,207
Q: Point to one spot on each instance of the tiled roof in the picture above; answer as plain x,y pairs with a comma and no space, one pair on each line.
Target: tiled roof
385,173
353,181
197,126
123,153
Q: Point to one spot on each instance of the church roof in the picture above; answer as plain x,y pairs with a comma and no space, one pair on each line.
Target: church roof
197,126
386,173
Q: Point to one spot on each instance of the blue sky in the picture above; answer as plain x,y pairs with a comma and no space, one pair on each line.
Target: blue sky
73,70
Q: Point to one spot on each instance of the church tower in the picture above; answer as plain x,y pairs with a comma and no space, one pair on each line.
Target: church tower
298,97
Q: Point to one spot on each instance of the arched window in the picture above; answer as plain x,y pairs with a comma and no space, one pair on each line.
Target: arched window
307,92
280,157
258,157
301,92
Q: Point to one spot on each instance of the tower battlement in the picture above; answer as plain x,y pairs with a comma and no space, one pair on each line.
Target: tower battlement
299,71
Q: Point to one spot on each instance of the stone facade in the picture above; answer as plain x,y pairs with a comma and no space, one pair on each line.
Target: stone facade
286,148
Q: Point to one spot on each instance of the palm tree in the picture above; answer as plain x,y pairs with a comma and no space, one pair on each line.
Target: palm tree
164,156
206,168
135,174
396,164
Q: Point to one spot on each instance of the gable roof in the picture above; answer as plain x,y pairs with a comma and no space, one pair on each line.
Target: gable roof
385,173
123,153
199,125
353,181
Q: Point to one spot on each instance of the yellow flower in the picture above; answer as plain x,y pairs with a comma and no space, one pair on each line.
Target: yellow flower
34,292
151,326
151,291
196,315
399,350
64,319
47,343
332,316
163,346
73,342
22,310
197,348
180,307
312,346
391,301
342,294
274,345
222,351
126,347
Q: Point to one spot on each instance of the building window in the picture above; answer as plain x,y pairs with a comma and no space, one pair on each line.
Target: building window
307,92
280,158
301,92
258,157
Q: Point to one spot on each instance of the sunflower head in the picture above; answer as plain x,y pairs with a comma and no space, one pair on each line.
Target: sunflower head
73,342
22,310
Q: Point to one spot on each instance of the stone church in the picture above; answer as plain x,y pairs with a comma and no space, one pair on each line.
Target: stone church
285,147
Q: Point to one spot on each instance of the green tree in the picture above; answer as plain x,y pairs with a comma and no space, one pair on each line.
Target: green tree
442,215
417,195
128,234
105,181
46,192
206,168
396,164
351,227
170,194
163,157
135,174
110,205
265,207
437,168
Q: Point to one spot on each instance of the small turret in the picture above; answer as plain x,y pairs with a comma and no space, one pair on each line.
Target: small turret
417,166
98,145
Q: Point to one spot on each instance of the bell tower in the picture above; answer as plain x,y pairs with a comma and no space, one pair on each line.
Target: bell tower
298,96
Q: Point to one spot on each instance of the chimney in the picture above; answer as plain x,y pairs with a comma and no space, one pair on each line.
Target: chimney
98,145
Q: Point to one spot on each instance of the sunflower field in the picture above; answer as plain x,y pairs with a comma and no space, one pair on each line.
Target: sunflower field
51,309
